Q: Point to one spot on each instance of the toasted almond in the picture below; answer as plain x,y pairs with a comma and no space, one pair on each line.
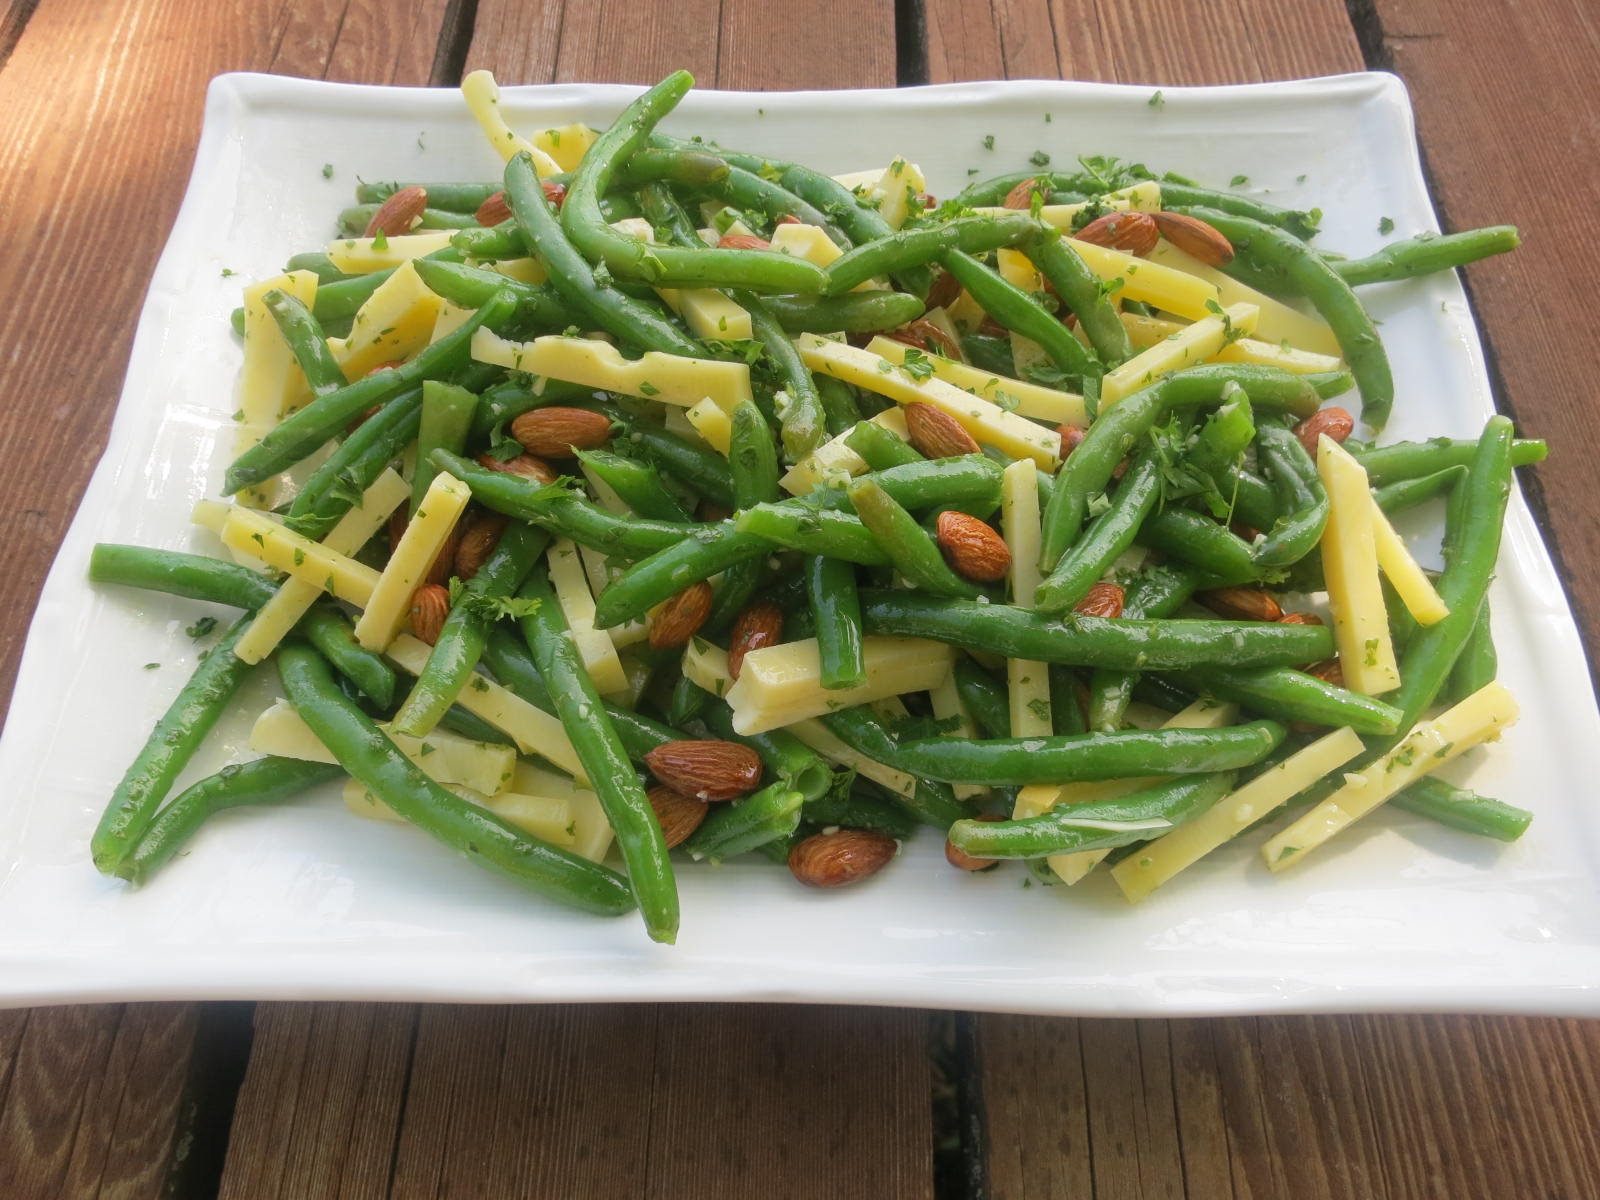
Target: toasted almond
493,210
1132,232
963,861
480,534
363,418
430,605
1195,237
926,199
399,213
1299,618
557,431
444,561
1071,435
788,219
935,433
525,466
708,513
1336,422
1241,604
678,815
706,769
946,290
554,192
1329,670
1102,600
742,241
925,335
829,860
757,626
1021,196
680,618
972,548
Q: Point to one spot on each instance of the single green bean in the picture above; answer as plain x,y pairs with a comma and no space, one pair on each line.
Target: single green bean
1286,694
879,448
447,412
911,551
1157,591
452,197
1224,437
748,824
836,607
1066,713
699,468
1080,290
839,407
1462,809
1111,533
1409,493
932,802
306,341
814,531
800,415
353,221
1022,314
1301,496
1427,253
923,244
985,697
1478,663
1408,460
1199,541
538,305
1302,225
334,487
639,487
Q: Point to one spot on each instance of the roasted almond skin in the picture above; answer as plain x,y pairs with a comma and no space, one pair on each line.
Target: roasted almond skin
680,618
444,562
397,214
524,465
706,769
493,210
946,291
1021,196
1299,618
557,431
1102,600
935,433
757,626
1329,670
430,605
1194,237
1131,232
742,241
963,861
479,536
1241,604
553,191
1071,435
830,860
1336,422
972,548
678,815
924,334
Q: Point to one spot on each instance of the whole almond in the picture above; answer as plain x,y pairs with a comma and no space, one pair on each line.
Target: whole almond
554,192
526,466
1021,196
1241,604
680,618
935,433
430,605
556,432
479,536
444,560
1102,600
1299,618
397,214
989,327
742,241
830,860
493,210
678,815
706,769
1132,232
963,861
788,219
757,626
946,290
1329,670
926,335
1336,422
1071,435
972,548
1195,238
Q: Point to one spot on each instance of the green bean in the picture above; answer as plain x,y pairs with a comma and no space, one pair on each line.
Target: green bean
932,801
985,698
666,216
836,606
1478,663
172,743
987,193
447,412
1408,493
1199,541
1066,714
1462,809
751,192
263,781
923,244
366,753
911,551
1314,278
787,758
1301,495
458,720
452,197
1061,830
1224,437
1111,533
753,461
850,805
801,419
699,468
1080,290
1302,225
1156,592
639,487
353,221
302,432
334,487
1408,460
1131,644
319,264
813,531
1285,694
1021,313
471,287
1253,500
306,341
1091,756
879,448
511,398
839,407
854,312
341,300
747,824
1427,253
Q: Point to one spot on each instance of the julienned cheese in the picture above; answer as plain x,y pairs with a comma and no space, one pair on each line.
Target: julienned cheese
1145,331
1028,682
834,460
1141,197
1410,582
711,421
361,256
779,685
900,185
396,322
669,378
1350,566
1277,323
1193,344
482,95
1148,281
427,532
571,585
1027,399
591,831
547,818
284,550
708,313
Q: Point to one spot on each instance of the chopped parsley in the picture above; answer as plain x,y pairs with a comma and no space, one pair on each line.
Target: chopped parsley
151,666
1040,709
1370,646
381,241
490,608
201,628
1157,100
646,388
917,364
1239,181
1385,225
988,141
1039,158
327,170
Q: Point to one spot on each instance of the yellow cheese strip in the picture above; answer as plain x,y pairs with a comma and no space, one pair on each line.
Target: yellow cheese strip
653,376
482,95
706,666
1278,322
1155,864
821,739
523,270
213,515
1147,331
594,645
1193,344
280,614
566,144
1350,566
396,321
1027,399
712,423
965,313
779,685
450,319
863,180
834,460
1478,718
338,575
270,381
532,729
1149,281
1028,682
1410,582
546,817
426,533
362,256
809,242
600,574
1141,197
986,422
900,184
707,312
1018,270
591,832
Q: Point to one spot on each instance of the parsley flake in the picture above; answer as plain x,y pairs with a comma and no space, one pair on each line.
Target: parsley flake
1385,225
1157,100
201,627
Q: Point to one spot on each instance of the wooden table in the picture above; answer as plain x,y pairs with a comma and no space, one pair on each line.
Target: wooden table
103,102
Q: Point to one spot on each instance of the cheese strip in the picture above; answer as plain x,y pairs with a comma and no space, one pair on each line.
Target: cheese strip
1410,582
1148,281
946,703
1478,718
834,460
1155,864
213,515
1145,331
1017,269
1350,566
900,184
426,533
591,832
532,729
779,685
1141,197
812,243
712,423
668,378
708,313
523,270
986,422
1028,682
443,756
594,645
1195,343
821,739
566,144
600,574
396,321
482,95
1278,322
361,256
280,614
965,313
338,575
270,381
546,817
450,319
1027,399
706,666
